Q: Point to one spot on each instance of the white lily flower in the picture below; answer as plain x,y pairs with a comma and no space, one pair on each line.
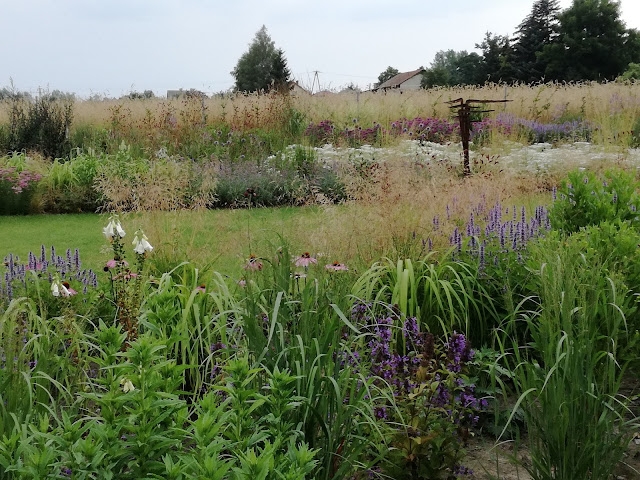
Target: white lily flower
141,243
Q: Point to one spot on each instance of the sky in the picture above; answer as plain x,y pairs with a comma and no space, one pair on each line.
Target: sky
113,47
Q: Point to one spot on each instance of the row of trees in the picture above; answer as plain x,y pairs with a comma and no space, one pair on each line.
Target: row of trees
587,41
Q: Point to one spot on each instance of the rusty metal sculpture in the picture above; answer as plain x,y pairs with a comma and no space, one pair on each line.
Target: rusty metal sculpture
465,109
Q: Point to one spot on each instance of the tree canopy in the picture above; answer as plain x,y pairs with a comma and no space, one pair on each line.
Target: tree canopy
587,41
389,73
539,29
262,67
593,44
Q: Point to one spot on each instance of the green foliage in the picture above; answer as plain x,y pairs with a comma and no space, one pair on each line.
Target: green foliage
292,324
42,125
635,134
568,381
496,58
69,186
631,73
584,199
538,29
389,73
262,67
444,295
450,68
17,187
593,43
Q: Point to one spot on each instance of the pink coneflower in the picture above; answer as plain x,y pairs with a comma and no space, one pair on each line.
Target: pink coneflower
253,263
113,263
201,288
305,260
336,266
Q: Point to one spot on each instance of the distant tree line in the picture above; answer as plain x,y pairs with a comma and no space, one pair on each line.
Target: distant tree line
587,41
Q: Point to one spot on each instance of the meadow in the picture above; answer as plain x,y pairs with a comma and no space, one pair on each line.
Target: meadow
269,287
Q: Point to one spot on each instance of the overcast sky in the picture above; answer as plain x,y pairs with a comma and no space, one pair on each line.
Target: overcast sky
114,46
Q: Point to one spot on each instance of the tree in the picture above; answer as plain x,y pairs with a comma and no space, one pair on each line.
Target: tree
631,73
280,72
389,73
594,43
496,58
262,67
450,68
538,29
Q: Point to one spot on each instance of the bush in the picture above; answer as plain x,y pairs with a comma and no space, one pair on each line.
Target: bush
42,125
248,185
585,199
16,190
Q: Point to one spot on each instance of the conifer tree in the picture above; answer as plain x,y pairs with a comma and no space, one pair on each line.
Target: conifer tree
262,67
538,29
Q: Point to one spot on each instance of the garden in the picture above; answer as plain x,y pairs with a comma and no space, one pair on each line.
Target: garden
302,287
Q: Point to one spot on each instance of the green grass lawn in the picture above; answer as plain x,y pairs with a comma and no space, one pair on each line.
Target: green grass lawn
217,239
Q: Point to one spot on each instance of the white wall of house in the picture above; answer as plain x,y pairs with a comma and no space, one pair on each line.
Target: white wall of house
412,84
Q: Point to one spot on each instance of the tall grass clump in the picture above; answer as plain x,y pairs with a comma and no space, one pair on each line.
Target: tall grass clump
295,323
568,378
444,295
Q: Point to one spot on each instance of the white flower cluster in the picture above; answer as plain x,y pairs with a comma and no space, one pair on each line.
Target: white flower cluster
113,228
141,243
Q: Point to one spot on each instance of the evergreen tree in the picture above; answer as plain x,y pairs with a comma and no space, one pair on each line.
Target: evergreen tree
280,73
389,73
538,29
496,58
593,43
262,66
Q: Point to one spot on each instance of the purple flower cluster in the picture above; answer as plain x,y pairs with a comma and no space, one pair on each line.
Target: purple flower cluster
489,235
19,180
549,132
406,358
326,132
481,129
320,133
68,267
428,129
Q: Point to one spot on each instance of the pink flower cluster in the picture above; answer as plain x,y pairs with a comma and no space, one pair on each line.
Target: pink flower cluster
19,180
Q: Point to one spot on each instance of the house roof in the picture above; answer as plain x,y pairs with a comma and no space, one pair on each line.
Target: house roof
395,82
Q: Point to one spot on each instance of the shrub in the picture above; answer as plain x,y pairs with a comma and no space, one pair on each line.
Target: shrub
42,125
17,187
585,199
